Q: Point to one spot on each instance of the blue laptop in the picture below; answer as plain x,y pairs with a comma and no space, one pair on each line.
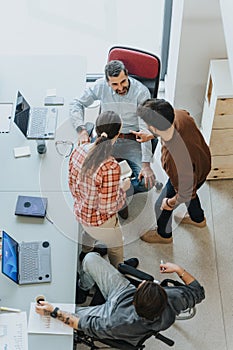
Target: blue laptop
26,262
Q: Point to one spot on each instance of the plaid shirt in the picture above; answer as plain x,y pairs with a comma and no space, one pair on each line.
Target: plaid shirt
98,197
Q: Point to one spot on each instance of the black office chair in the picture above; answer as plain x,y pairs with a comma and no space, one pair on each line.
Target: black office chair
135,276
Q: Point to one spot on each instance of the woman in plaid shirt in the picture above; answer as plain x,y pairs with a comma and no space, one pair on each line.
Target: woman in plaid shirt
94,181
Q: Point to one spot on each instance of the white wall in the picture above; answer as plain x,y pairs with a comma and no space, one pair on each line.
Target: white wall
226,11
87,28
199,38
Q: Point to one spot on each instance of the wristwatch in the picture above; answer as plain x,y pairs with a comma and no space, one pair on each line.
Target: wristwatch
80,128
54,312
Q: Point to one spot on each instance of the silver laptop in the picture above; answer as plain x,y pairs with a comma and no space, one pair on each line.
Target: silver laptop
38,123
26,262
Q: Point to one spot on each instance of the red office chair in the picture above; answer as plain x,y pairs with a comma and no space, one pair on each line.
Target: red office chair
141,65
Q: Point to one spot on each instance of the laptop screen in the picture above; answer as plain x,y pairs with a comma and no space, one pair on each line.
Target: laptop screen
9,257
22,111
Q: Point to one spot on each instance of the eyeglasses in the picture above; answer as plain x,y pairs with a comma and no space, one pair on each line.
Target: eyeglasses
64,148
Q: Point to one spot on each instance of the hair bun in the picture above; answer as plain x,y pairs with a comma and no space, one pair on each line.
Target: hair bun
104,134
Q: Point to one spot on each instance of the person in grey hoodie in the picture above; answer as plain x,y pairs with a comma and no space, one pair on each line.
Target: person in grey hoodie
129,313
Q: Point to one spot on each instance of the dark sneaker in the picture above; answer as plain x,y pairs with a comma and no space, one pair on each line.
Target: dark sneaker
124,213
81,295
134,262
98,248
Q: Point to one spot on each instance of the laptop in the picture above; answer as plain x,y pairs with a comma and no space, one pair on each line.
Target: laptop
31,206
37,123
26,262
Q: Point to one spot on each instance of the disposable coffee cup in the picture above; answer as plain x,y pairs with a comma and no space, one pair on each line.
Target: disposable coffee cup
40,298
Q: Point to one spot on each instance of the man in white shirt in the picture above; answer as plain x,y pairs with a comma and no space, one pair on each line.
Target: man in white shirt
122,94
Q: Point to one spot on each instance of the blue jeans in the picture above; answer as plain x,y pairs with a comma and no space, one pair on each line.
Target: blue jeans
130,150
164,217
109,280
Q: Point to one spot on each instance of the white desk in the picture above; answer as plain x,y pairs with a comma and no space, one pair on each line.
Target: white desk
37,172
44,175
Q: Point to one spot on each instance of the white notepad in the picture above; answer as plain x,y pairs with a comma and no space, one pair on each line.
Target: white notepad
22,151
47,324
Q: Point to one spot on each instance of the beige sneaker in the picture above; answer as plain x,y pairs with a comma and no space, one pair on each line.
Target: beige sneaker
153,237
187,220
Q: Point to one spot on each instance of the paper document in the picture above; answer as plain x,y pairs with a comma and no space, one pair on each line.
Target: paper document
5,117
13,331
126,171
47,324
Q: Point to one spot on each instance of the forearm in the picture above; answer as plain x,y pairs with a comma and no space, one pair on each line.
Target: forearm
43,308
168,267
68,319
147,155
77,113
186,277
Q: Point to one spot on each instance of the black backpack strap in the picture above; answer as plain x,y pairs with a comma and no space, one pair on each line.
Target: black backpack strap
164,339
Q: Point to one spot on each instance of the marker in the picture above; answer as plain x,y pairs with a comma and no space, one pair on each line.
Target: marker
3,308
163,268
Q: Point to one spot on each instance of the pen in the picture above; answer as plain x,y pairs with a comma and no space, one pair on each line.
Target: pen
3,308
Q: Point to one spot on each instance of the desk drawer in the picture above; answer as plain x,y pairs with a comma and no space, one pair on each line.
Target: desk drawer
223,114
221,142
222,168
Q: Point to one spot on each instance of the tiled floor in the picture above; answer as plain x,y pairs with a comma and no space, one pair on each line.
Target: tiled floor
207,254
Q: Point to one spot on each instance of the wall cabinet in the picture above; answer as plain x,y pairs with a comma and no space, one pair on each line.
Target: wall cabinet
217,119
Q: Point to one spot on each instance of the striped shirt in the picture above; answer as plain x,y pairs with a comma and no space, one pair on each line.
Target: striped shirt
98,197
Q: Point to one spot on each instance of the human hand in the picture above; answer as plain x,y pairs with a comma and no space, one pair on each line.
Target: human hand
44,308
169,267
149,176
83,137
142,136
164,205
125,183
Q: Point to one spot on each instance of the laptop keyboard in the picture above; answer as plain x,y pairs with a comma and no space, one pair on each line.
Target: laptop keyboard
30,262
38,121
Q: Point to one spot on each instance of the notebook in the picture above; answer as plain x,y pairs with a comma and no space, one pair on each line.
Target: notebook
26,262
38,123
126,171
31,206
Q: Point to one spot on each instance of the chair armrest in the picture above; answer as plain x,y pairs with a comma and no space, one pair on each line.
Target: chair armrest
131,271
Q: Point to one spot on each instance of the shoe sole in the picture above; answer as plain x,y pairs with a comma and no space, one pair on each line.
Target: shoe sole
168,241
188,221
193,223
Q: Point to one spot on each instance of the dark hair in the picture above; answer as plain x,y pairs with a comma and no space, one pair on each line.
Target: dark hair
157,113
107,126
150,299
113,69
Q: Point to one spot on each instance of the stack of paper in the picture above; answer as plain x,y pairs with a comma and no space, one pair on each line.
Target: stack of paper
13,331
